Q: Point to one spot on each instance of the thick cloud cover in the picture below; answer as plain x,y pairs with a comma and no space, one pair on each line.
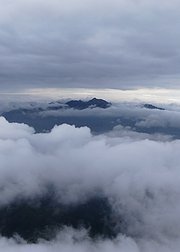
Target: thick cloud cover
140,179
82,43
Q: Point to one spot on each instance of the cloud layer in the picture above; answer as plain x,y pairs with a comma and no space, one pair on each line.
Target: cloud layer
70,240
140,179
122,44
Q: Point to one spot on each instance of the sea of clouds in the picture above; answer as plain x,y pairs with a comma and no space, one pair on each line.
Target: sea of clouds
140,177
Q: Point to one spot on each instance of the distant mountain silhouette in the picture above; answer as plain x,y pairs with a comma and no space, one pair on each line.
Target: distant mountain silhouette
150,106
93,103
79,104
36,117
32,116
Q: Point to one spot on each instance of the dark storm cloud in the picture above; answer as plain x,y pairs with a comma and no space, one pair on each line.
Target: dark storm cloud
88,44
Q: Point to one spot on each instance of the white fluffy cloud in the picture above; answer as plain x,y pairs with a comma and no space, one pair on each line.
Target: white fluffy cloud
140,178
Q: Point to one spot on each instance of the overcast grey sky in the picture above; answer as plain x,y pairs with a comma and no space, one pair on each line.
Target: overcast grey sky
89,43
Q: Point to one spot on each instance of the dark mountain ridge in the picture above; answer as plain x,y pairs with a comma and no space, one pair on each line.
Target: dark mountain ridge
150,106
93,103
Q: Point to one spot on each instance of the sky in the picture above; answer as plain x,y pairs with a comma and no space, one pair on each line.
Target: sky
122,44
143,95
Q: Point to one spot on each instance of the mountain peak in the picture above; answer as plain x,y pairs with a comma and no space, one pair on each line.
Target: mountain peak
93,103
150,106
